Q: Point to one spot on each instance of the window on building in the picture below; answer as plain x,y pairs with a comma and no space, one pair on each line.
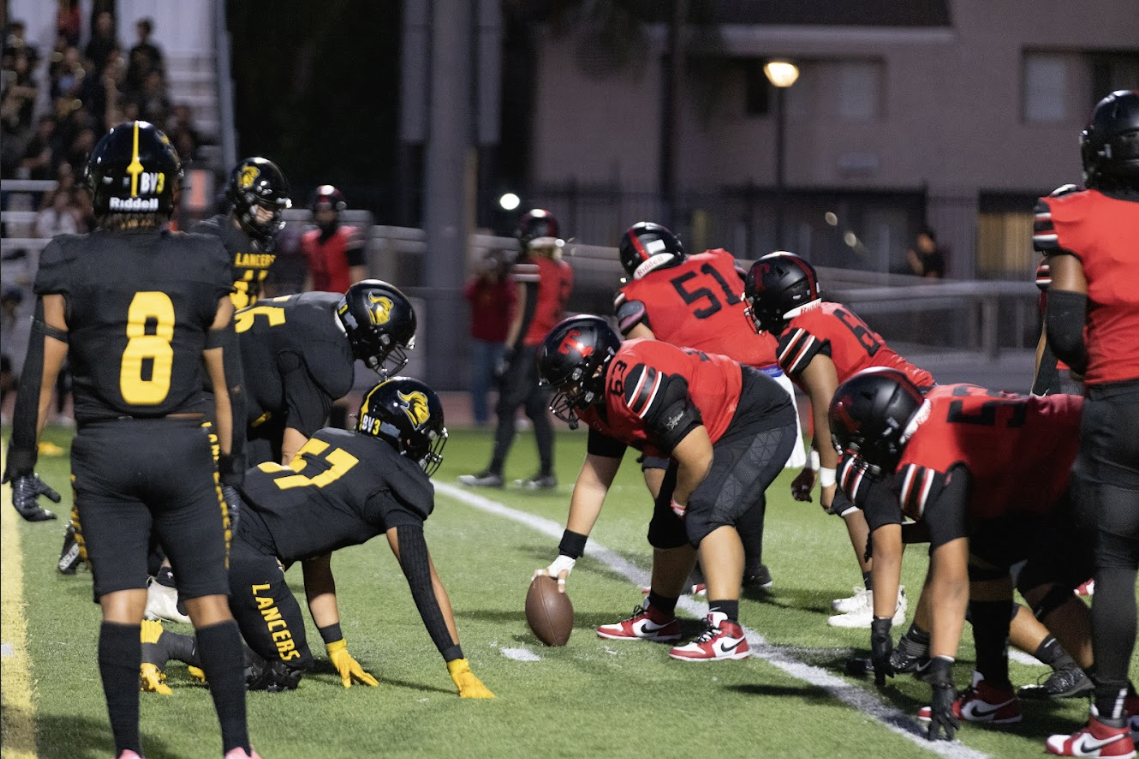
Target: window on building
859,96
1046,87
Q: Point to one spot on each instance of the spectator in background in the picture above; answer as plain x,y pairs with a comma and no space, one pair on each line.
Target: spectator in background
67,75
106,94
39,159
334,253
182,132
61,217
925,258
81,146
144,58
68,22
153,104
19,95
103,41
491,295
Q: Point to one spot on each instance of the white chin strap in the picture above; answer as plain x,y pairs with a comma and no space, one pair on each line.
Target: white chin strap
916,420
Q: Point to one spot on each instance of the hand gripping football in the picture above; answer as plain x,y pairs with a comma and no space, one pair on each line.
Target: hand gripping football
548,612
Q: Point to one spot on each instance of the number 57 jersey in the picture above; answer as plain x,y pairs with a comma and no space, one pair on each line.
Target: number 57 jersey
139,307
697,304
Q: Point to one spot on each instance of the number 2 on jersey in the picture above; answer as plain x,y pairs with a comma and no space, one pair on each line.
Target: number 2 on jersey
138,386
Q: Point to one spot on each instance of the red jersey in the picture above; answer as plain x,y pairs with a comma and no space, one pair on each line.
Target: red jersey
330,259
1019,450
698,304
835,331
638,371
548,283
1103,232
491,307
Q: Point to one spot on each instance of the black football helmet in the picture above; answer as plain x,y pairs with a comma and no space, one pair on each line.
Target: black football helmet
258,182
646,247
380,322
537,229
871,414
1109,146
327,198
133,169
573,360
776,284
408,415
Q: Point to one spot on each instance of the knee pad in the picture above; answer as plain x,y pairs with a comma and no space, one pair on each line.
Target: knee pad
271,677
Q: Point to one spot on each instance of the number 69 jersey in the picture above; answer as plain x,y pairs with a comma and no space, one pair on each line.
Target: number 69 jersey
139,307
1018,449
341,489
834,330
697,304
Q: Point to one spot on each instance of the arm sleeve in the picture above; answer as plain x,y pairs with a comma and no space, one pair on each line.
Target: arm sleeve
945,513
1047,380
307,404
874,495
417,569
662,401
600,444
796,349
630,313
25,417
354,249
226,339
1064,320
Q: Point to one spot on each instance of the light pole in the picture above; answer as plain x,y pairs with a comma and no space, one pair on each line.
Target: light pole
781,74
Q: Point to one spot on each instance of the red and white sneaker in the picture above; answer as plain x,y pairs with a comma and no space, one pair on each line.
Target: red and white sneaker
1086,589
980,702
646,624
722,640
1095,740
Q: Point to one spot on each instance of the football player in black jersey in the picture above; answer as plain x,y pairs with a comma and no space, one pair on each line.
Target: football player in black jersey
342,489
144,316
258,192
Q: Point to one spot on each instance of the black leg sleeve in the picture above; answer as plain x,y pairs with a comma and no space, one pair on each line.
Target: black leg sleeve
990,634
416,565
224,664
120,654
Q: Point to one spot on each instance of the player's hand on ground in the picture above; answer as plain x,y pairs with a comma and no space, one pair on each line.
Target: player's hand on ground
559,569
151,679
803,484
938,672
881,646
469,686
26,488
349,669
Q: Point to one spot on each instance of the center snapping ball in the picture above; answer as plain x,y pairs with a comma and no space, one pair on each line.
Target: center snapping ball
548,612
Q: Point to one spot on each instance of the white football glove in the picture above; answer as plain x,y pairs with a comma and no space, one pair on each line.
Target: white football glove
561,564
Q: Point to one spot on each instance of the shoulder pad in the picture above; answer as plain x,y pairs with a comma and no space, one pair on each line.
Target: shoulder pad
1066,189
629,314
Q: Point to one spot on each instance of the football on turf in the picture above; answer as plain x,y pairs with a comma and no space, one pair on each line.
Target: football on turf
548,612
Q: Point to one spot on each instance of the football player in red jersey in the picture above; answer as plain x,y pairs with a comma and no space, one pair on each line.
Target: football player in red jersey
1091,239
987,475
820,345
695,302
334,251
727,429
544,284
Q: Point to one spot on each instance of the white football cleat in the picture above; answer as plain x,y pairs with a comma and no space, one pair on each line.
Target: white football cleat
864,616
162,603
860,599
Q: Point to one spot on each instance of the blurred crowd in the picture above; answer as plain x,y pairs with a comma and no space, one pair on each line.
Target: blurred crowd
56,103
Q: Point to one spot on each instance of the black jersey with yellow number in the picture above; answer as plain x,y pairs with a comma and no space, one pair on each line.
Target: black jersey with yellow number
250,262
139,306
296,359
341,489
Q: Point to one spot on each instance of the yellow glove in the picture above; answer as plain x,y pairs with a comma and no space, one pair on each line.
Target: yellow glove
469,686
197,673
153,680
348,667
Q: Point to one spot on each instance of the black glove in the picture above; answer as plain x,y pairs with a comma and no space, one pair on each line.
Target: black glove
881,646
938,672
503,366
25,489
233,505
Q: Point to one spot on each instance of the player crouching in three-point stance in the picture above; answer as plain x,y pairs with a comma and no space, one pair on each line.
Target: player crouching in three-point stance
143,314
342,489
727,428
987,475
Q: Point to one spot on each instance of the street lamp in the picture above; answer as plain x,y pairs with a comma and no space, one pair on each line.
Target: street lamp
781,74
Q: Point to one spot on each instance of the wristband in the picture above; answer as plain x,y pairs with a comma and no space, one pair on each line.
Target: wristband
826,477
331,633
572,544
679,509
813,460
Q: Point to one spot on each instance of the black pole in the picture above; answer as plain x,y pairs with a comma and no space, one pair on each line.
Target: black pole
670,112
780,181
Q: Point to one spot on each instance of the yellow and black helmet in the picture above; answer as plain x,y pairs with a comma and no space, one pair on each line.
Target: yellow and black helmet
133,169
407,414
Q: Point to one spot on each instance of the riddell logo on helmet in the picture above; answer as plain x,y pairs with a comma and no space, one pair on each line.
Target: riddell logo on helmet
133,204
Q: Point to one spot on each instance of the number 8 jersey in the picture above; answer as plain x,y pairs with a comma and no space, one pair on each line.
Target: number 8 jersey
835,331
139,307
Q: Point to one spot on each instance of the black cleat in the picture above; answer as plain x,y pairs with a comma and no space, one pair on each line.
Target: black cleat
760,579
69,556
1070,682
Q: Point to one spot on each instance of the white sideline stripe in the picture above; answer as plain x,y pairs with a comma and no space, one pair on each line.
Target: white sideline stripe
864,701
520,654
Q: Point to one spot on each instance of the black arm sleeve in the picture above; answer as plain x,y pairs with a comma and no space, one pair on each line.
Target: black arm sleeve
1047,379
416,565
1064,321
945,515
600,444
226,339
25,417
308,404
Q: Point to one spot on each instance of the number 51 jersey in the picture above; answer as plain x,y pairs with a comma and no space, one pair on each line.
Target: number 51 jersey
139,306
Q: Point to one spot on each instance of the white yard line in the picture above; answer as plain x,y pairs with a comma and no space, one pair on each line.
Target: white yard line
864,701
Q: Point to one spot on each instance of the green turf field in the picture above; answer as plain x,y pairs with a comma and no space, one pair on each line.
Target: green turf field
591,698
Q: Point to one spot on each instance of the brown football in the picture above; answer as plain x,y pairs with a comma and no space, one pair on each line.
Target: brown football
548,612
